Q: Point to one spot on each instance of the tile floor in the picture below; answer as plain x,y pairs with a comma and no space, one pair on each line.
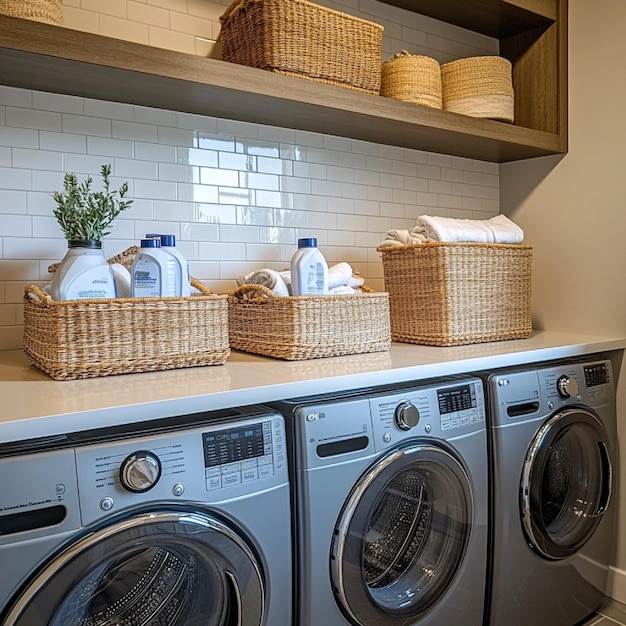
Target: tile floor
611,613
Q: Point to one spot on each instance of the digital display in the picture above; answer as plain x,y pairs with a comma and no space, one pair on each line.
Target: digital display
233,444
596,375
455,399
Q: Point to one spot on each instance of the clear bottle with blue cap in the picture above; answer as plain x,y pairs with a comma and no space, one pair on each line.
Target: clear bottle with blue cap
309,270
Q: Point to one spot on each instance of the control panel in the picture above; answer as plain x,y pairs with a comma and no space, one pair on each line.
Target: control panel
440,411
537,393
211,463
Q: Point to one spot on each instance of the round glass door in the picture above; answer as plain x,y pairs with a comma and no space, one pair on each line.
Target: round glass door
566,483
402,535
159,568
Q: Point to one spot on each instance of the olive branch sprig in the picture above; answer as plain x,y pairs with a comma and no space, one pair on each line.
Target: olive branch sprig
83,214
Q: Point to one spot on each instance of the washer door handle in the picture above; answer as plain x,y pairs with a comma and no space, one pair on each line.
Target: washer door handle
236,593
607,482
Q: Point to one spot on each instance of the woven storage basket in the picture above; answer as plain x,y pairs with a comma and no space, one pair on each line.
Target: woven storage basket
479,87
101,337
41,10
299,38
412,78
446,294
307,327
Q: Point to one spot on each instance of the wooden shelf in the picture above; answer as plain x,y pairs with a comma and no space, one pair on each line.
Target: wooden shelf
49,58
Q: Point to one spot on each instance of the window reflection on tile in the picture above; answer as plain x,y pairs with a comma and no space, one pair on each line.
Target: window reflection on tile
216,213
197,156
277,235
260,147
209,141
255,216
234,195
290,218
274,199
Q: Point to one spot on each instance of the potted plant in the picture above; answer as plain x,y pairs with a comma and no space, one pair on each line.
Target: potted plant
84,217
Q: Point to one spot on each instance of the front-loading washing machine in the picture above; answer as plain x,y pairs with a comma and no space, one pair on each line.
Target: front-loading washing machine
391,506
553,438
180,522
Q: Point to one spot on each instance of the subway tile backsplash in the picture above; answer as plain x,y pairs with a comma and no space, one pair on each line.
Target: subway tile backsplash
236,195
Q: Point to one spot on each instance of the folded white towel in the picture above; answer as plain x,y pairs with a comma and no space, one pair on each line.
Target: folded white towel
398,237
268,278
498,229
339,275
343,289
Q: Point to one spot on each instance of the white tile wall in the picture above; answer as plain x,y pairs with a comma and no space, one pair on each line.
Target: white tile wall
236,195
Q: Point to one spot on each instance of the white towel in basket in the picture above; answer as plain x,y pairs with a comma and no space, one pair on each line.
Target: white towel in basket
498,229
276,281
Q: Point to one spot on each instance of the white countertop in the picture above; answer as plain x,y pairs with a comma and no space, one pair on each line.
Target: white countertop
34,405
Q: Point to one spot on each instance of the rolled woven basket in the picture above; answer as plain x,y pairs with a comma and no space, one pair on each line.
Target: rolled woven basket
412,78
479,87
40,10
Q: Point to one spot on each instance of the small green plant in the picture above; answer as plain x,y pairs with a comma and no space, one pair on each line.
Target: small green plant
83,214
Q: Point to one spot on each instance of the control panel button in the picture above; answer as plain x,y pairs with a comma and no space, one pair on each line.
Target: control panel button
140,471
567,386
406,415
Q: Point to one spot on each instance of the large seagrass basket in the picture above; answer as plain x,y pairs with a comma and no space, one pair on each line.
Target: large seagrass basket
102,337
300,38
50,11
307,327
446,294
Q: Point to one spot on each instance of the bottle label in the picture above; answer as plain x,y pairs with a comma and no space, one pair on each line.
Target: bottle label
146,279
315,278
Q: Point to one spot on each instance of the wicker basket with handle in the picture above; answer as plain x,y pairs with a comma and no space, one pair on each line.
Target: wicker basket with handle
101,337
300,38
50,11
446,294
306,327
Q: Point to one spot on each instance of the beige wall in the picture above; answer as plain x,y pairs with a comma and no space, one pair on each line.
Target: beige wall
573,208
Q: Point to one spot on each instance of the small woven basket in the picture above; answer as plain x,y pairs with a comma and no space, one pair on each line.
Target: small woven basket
101,337
412,78
299,38
307,327
479,87
447,294
50,11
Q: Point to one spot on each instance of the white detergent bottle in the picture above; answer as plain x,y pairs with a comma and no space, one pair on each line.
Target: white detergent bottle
183,280
153,274
309,270
83,273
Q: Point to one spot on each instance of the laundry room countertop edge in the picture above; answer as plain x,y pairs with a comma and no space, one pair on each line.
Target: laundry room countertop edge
33,405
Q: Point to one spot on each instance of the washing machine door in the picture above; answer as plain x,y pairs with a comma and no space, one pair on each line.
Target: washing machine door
402,535
566,483
160,568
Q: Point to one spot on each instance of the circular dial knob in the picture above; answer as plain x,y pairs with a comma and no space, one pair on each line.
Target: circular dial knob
406,415
140,471
567,386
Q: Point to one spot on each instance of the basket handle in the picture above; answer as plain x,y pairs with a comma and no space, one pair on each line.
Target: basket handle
249,288
35,294
201,287
234,8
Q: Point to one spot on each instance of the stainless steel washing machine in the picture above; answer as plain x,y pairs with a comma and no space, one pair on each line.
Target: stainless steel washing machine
553,437
179,522
391,506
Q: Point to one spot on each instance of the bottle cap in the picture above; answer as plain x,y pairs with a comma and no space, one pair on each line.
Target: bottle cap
308,242
168,240
150,243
